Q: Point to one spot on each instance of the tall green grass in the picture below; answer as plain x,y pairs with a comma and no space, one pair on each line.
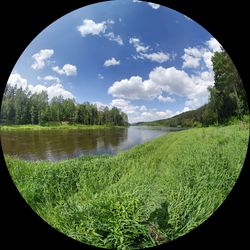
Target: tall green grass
148,195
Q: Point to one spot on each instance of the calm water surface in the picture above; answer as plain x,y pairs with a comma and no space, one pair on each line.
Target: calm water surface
61,144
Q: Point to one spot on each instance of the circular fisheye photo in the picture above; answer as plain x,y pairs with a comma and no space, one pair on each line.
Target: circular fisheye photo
124,125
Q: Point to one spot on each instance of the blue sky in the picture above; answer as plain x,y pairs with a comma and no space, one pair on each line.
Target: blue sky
148,60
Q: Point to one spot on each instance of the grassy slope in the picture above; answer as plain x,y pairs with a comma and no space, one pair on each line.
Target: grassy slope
150,194
64,126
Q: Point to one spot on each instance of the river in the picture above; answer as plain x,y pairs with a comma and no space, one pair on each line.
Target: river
59,144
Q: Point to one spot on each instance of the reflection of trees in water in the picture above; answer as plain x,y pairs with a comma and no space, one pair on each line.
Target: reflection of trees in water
114,137
26,144
92,139
60,144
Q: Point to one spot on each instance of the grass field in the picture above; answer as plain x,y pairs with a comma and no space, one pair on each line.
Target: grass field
148,195
56,126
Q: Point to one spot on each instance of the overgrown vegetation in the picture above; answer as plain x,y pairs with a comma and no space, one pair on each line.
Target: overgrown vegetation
19,106
227,99
136,199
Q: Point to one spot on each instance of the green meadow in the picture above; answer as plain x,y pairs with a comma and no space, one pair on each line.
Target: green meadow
145,196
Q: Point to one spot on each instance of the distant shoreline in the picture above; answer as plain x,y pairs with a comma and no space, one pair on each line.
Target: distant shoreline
63,126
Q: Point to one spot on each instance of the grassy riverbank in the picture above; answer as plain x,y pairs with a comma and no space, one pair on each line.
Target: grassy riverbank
150,194
57,126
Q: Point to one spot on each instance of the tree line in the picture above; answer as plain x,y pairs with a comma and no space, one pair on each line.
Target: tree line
20,106
227,99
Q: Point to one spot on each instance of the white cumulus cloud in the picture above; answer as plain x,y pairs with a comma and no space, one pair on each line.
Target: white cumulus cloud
214,45
90,27
55,89
41,58
193,87
116,38
138,45
111,62
172,80
124,105
16,80
166,99
134,88
169,80
67,69
142,52
200,93
193,57
50,78
137,113
159,57
154,5
200,58
150,115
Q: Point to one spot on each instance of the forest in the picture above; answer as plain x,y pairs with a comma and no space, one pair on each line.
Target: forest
227,99
21,107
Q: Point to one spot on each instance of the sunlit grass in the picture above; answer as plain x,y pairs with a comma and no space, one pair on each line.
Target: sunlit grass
148,195
58,126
